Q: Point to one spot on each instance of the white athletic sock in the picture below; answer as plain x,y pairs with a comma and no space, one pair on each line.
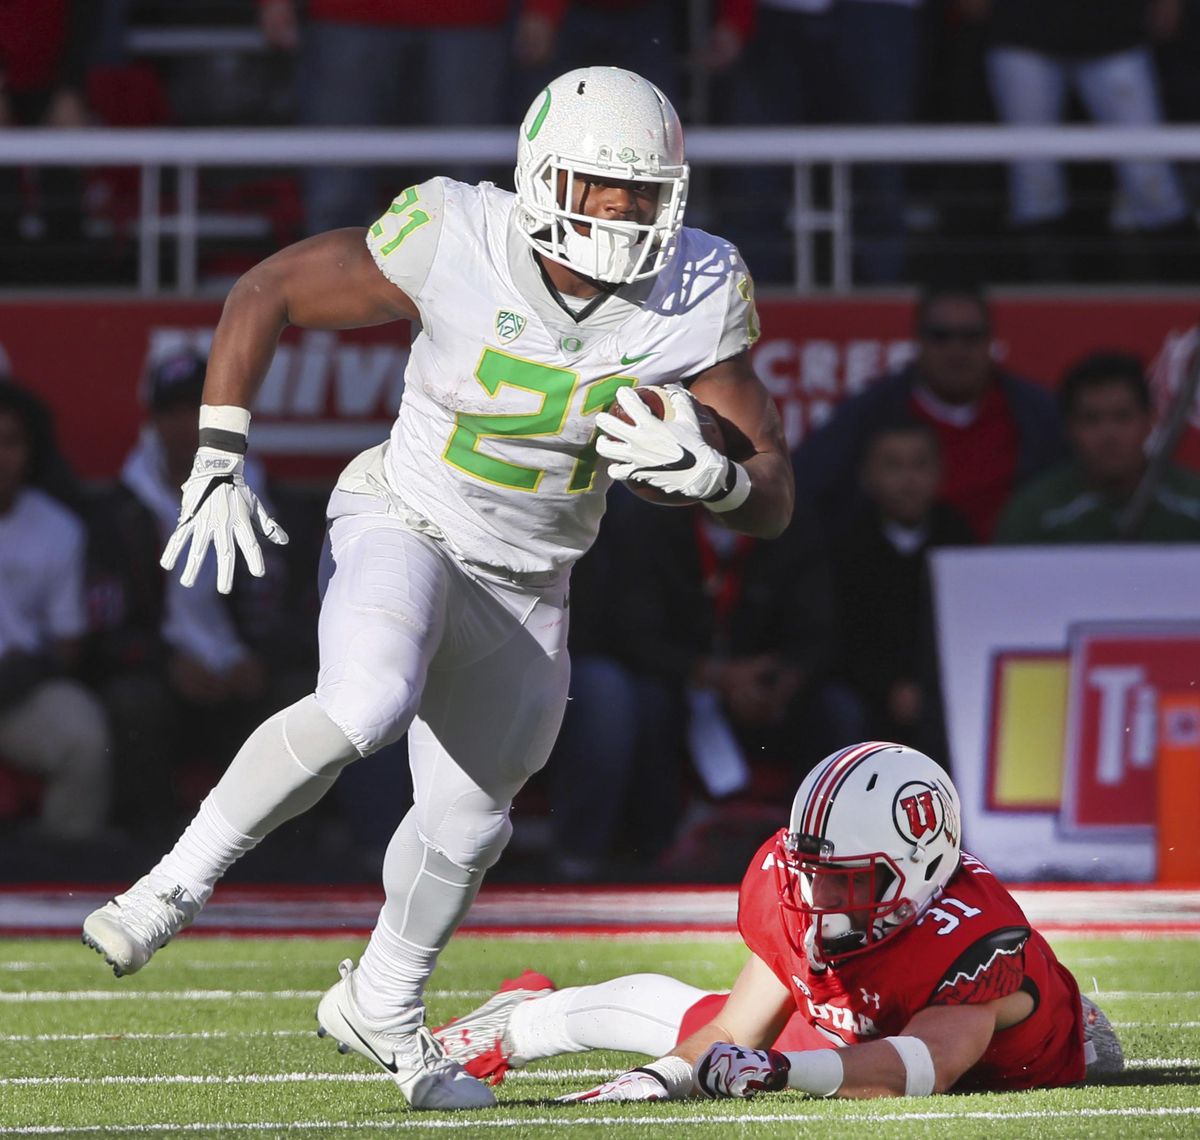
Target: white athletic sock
639,1013
205,851
288,763
427,897
389,982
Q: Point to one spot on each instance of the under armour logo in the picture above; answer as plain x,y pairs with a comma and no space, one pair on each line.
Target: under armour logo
869,998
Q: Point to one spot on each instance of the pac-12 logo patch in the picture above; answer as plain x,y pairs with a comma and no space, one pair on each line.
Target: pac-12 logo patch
509,325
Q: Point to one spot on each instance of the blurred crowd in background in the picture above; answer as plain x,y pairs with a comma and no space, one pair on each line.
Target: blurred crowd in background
711,670
380,63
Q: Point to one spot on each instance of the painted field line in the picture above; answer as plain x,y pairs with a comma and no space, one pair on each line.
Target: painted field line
193,995
222,1035
355,1078
34,996
479,1123
205,1035
293,963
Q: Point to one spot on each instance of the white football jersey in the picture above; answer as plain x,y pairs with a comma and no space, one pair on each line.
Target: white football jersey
494,441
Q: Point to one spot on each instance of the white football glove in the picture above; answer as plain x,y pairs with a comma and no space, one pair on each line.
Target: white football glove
670,453
668,1078
219,508
732,1071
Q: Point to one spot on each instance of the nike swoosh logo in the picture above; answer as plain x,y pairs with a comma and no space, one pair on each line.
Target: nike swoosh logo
389,1065
686,460
635,359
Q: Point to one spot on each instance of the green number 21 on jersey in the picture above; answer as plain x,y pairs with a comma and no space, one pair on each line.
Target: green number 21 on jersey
495,370
557,387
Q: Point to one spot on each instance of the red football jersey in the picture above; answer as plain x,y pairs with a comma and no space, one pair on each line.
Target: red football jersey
972,944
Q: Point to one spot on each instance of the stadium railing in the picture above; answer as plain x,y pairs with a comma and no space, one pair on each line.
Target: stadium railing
804,150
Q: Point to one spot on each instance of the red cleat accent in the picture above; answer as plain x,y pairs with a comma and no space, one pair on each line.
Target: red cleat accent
489,1062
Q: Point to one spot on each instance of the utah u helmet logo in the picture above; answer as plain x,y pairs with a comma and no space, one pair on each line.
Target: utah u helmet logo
919,812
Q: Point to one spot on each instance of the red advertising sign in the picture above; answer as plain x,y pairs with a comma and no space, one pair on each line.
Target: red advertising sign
1120,678
330,394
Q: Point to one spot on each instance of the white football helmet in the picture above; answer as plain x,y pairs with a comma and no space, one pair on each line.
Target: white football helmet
874,835
608,123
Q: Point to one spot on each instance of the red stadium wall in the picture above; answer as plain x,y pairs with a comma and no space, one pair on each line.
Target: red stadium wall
329,394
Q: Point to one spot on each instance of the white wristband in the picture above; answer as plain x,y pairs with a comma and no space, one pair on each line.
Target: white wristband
225,417
919,1073
817,1072
736,495
675,1073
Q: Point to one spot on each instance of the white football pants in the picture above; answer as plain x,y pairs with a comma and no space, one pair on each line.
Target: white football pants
476,672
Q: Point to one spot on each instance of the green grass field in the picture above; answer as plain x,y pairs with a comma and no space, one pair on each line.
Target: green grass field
216,1038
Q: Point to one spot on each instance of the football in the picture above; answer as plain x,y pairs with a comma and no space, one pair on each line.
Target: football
712,428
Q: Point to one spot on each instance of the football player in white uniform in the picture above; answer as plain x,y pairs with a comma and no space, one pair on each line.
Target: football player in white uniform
446,613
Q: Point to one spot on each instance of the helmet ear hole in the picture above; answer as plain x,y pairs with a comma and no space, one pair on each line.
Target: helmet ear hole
931,870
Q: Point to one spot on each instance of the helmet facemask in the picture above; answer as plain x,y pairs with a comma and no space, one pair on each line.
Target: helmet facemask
617,252
600,123
835,908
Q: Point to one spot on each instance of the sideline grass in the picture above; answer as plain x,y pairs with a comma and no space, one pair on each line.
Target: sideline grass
215,1039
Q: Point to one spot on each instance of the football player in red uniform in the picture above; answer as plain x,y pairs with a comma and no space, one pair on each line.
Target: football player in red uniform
885,961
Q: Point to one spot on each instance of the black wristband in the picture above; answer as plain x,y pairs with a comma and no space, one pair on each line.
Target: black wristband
223,440
651,1073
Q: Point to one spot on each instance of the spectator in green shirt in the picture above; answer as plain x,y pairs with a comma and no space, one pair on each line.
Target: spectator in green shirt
1105,402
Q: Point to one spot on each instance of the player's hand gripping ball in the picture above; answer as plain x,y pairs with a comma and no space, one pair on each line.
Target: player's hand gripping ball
653,452
732,1071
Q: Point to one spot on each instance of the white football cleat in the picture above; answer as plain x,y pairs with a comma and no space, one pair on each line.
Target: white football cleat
414,1058
1102,1050
129,928
479,1040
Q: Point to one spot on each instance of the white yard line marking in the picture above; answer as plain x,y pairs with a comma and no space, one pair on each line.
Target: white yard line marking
118,1036
1157,1025
193,995
479,1123
220,1035
272,1078
232,995
540,1075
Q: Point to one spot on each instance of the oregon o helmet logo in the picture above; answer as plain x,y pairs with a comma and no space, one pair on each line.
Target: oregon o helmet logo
919,812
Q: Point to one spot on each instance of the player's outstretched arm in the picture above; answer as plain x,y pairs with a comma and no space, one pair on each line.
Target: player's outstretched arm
733,389
325,282
755,1012
937,1046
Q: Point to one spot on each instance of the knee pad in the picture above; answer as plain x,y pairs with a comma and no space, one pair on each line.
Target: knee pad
371,703
471,840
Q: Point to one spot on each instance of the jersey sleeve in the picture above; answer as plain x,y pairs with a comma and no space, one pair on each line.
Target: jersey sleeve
990,968
404,241
741,328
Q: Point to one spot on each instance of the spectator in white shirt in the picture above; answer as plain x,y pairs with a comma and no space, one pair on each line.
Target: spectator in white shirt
50,724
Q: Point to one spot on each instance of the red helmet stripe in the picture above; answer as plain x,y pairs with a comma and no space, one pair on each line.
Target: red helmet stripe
816,807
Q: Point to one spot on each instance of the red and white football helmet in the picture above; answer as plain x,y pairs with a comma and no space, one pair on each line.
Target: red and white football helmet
874,835
607,123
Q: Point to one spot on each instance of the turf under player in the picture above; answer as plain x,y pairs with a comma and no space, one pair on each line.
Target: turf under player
446,613
885,962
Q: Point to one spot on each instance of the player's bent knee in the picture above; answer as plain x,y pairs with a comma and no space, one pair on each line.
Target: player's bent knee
314,740
371,711
474,844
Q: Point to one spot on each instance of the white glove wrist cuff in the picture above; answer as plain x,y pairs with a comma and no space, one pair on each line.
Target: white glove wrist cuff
817,1072
737,492
675,1074
225,427
919,1072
